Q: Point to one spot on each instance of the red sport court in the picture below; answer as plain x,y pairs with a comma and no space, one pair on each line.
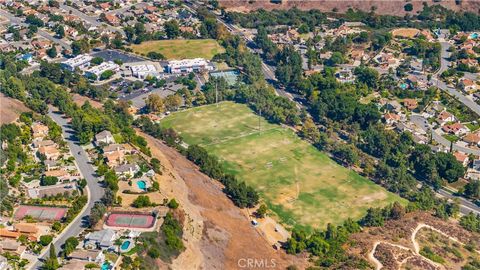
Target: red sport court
40,213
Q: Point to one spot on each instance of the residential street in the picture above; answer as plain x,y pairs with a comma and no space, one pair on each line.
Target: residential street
422,123
92,20
41,32
452,91
95,188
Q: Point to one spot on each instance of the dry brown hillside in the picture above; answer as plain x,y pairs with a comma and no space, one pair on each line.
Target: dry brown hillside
392,7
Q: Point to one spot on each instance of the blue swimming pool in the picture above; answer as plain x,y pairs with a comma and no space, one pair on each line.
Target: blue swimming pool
474,35
403,86
142,185
125,245
106,266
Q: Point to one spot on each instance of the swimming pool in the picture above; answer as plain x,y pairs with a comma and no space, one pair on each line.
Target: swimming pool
403,86
125,245
106,266
142,185
474,35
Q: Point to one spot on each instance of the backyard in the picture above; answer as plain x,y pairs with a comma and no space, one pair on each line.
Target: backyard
302,185
180,48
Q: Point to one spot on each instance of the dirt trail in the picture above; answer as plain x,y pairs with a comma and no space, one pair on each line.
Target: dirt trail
218,235
416,247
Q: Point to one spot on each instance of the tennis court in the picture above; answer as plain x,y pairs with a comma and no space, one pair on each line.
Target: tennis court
40,213
130,220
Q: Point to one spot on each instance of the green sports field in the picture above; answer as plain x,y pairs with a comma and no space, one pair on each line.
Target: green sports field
302,185
180,48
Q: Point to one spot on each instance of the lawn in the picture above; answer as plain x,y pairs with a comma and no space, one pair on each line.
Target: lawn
180,48
302,185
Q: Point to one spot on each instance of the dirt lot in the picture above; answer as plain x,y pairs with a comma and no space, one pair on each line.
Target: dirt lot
405,32
10,109
79,100
391,7
217,234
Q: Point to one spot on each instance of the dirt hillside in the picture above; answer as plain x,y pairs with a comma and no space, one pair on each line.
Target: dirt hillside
391,7
10,109
217,234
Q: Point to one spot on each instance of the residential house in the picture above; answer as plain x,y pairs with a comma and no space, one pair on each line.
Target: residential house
115,158
41,44
391,118
103,239
50,152
461,157
12,247
105,137
44,143
27,229
51,165
4,233
112,19
410,104
45,191
61,174
469,62
39,131
96,256
445,117
455,128
108,149
468,86
472,139
127,169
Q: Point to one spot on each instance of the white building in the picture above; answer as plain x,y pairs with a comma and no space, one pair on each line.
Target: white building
143,71
98,70
81,61
188,65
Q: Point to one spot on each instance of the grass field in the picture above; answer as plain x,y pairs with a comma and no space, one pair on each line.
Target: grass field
180,48
302,185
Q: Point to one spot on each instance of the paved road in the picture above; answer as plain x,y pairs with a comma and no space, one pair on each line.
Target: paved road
466,206
422,123
93,20
445,63
40,32
96,190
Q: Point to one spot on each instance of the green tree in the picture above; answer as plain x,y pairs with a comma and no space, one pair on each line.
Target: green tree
70,245
172,29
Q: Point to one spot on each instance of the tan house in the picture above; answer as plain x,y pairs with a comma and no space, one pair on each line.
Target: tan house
115,158
468,86
472,139
462,158
50,152
39,131
391,118
410,104
445,117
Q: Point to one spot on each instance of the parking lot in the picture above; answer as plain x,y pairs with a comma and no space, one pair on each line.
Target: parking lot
111,55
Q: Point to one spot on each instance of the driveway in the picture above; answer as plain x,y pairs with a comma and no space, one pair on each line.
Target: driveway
95,189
